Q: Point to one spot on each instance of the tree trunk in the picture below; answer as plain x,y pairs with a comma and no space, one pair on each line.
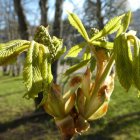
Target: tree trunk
57,31
99,14
23,28
44,11
22,25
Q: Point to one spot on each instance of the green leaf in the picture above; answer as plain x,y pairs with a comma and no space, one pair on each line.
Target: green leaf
60,53
104,44
77,24
123,59
27,70
112,26
46,75
125,23
92,64
87,54
75,50
57,50
9,51
76,67
136,63
31,72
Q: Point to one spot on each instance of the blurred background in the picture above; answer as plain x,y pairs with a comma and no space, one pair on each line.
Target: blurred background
20,119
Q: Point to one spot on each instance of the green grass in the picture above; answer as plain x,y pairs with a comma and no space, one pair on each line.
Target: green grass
13,105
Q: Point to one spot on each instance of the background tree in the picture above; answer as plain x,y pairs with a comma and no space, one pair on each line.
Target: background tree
22,23
57,30
97,12
44,11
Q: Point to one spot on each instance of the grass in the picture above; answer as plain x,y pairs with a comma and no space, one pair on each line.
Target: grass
12,105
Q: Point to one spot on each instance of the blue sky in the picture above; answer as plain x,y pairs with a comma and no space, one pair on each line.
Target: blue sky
33,12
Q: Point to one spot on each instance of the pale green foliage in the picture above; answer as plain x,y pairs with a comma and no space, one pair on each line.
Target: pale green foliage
103,44
83,97
75,50
9,51
136,63
58,50
87,54
92,64
76,67
27,71
123,62
53,44
32,72
121,48
111,27
129,58
37,73
125,23
77,24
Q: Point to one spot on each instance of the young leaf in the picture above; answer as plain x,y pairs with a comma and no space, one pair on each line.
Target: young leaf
60,53
75,50
123,59
9,51
92,64
104,44
76,67
46,72
57,50
136,63
77,24
112,26
125,23
27,70
87,54
32,73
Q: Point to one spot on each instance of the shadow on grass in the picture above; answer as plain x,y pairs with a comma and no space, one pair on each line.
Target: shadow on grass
38,117
112,127
5,79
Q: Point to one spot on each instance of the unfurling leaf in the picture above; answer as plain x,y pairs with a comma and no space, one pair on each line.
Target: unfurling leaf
53,44
125,23
111,27
92,64
76,67
100,112
136,63
75,50
58,49
85,84
123,59
87,54
80,102
77,24
9,51
96,103
31,72
103,44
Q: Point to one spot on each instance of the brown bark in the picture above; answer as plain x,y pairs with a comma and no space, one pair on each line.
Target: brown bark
44,11
99,14
23,28
57,31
